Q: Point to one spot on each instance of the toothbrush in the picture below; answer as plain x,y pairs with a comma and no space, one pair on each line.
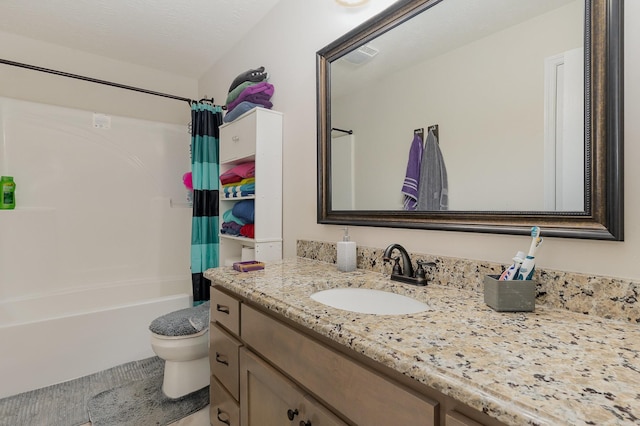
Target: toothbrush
534,247
535,233
512,272
526,270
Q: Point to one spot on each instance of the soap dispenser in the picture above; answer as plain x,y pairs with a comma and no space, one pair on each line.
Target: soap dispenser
346,256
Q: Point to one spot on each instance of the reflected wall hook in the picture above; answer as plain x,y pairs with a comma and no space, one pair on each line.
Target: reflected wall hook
434,128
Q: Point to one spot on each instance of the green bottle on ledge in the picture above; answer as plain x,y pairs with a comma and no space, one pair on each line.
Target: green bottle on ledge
8,194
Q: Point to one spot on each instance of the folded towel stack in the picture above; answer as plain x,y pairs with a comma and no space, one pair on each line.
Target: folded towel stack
239,219
247,91
239,181
244,188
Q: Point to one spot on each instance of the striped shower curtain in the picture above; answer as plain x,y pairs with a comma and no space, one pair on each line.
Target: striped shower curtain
205,122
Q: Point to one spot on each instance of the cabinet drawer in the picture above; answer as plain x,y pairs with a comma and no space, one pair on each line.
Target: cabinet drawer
223,409
453,418
238,139
361,394
225,310
224,359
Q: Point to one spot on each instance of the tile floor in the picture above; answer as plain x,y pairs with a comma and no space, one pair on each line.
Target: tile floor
199,418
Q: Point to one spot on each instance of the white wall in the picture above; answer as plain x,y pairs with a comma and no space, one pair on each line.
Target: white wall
285,42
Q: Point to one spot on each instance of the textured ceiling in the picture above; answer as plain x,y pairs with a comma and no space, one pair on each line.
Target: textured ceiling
180,37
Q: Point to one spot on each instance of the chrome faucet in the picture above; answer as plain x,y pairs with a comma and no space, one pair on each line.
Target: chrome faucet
405,272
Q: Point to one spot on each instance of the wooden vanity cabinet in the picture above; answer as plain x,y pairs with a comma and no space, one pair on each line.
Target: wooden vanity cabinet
359,394
273,373
268,398
453,418
224,359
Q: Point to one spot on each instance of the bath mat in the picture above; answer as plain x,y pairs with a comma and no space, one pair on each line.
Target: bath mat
65,404
143,403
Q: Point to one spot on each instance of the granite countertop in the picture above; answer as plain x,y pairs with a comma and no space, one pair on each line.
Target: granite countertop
547,367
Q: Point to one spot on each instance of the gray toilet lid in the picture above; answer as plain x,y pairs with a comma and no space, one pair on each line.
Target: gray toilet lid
182,322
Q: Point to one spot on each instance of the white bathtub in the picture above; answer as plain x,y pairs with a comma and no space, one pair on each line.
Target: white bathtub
62,336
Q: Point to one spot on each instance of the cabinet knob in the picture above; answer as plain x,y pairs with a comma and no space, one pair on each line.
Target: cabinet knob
235,138
292,413
222,308
303,423
221,419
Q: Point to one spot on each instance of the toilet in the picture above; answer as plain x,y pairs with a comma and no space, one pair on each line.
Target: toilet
181,339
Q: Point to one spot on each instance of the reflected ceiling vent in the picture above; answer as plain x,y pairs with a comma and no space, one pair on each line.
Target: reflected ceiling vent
361,55
351,3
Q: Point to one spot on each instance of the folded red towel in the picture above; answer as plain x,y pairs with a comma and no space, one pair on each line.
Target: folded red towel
248,230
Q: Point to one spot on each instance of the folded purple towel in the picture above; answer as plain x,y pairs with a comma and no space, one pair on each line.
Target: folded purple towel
230,228
259,92
262,87
233,95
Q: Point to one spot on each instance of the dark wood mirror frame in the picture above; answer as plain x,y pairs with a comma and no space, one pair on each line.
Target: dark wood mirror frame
603,217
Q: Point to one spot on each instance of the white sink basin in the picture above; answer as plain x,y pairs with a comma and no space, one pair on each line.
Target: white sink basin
369,301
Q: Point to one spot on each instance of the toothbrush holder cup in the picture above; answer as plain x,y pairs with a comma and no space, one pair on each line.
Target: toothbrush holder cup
509,296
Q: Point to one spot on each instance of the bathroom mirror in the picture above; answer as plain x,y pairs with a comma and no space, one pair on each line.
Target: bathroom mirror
525,98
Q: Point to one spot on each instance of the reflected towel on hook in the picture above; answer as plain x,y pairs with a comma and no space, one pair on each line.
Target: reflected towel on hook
412,177
433,192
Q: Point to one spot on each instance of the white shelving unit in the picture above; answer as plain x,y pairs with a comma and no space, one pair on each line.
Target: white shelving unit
255,136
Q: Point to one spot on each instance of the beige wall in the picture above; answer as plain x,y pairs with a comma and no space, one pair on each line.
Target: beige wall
35,86
285,42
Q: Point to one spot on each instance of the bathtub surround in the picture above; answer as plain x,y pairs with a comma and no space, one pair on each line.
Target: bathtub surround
607,297
65,404
102,224
142,403
88,184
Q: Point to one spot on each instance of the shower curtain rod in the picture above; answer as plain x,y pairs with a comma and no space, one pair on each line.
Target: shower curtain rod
107,83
